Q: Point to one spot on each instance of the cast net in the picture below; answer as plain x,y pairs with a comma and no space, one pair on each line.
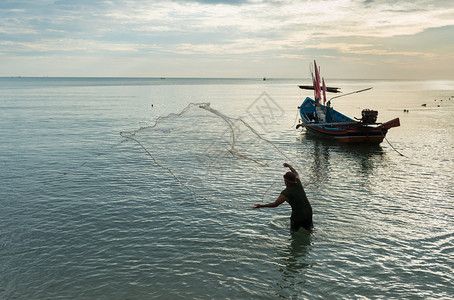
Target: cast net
217,158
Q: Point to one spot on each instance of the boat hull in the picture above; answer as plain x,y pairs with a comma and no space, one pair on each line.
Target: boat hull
359,135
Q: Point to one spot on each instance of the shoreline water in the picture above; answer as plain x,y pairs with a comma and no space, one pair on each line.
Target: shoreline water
86,214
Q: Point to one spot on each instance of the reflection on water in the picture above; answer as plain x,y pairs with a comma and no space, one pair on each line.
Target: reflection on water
294,263
326,156
365,156
321,160
298,247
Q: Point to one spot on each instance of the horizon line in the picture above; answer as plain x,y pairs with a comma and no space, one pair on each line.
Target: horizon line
218,78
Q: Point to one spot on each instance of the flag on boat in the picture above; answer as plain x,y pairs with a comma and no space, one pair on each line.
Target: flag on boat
317,88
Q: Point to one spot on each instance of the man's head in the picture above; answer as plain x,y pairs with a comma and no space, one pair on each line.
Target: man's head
290,177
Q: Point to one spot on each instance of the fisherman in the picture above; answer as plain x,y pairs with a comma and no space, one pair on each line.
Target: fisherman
295,195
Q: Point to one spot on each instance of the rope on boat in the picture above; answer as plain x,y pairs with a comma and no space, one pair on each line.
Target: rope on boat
296,118
390,143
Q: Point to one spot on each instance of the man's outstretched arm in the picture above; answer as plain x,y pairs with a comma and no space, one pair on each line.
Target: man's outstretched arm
281,199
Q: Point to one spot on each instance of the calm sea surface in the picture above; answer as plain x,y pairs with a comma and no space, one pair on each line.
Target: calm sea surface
120,188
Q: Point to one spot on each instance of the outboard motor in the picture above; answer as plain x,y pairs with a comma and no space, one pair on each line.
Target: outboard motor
369,116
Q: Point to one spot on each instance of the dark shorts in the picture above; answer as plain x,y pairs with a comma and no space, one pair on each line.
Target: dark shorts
307,224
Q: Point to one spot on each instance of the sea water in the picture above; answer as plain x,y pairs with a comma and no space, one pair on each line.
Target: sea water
120,188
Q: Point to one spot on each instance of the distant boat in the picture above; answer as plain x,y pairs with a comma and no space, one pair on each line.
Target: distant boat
322,120
328,88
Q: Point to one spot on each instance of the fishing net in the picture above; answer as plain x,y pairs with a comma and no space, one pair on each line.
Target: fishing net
217,158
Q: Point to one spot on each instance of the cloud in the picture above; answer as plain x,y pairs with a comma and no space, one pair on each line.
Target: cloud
220,29
369,49
73,47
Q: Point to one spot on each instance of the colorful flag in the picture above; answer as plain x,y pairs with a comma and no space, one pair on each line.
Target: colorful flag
317,83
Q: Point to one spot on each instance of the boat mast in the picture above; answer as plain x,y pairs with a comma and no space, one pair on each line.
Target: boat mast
319,113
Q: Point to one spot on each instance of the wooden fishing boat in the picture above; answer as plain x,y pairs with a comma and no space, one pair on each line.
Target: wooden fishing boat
321,119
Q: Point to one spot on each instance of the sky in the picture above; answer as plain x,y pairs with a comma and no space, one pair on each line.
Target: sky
372,39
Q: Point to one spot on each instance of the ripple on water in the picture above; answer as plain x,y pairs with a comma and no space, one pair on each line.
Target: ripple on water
86,215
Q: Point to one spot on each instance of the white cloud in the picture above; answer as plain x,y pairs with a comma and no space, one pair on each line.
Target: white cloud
285,20
369,49
277,29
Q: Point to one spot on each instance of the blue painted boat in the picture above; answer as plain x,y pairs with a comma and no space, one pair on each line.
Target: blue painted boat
323,120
